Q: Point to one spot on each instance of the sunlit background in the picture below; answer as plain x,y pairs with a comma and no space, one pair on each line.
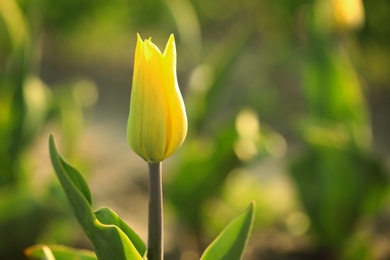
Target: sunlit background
288,104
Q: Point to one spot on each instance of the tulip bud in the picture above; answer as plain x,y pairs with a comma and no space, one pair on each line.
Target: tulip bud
347,14
157,124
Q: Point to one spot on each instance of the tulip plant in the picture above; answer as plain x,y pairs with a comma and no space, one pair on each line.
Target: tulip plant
157,127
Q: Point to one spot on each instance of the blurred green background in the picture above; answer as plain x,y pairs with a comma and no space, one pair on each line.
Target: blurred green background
288,104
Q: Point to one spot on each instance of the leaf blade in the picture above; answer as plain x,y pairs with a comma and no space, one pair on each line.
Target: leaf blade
108,240
108,217
231,242
58,252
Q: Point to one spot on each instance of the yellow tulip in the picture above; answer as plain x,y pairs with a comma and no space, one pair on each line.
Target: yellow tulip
347,14
157,124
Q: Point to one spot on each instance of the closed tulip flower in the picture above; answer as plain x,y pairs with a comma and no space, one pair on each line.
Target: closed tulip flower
157,124
347,14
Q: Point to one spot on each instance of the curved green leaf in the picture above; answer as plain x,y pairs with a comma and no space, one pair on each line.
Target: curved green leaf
77,180
105,232
58,252
231,242
108,217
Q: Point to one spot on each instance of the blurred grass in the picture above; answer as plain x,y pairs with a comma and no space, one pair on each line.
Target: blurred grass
303,79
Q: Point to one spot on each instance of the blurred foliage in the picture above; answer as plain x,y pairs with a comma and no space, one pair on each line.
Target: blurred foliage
338,178
232,56
26,105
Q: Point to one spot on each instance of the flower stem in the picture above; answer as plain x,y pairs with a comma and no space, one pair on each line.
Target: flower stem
155,229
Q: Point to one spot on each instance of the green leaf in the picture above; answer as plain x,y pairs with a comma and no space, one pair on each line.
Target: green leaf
110,236
58,252
108,217
231,243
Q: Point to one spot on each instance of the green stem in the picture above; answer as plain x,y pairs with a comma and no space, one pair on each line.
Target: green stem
155,229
